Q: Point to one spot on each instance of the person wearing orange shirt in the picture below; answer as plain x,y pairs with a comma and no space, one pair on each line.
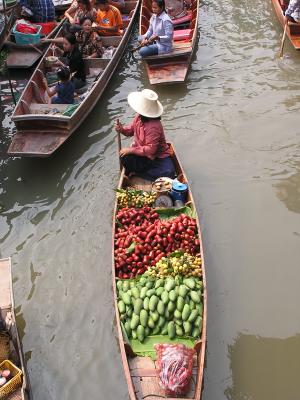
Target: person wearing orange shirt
108,19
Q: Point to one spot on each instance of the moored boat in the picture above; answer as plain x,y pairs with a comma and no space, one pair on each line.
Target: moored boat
41,127
25,56
172,67
293,28
6,22
139,359
12,347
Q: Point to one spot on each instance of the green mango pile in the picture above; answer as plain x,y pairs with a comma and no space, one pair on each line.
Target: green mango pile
171,306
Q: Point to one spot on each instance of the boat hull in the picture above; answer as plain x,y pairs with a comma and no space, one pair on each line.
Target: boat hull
140,372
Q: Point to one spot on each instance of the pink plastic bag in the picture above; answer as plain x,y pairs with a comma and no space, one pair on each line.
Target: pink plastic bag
175,364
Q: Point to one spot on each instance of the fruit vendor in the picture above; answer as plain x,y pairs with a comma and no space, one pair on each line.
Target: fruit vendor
149,155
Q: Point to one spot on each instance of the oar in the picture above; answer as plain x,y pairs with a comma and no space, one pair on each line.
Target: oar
283,40
119,146
142,45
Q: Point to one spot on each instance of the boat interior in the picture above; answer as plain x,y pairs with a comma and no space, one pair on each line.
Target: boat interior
143,370
36,101
9,340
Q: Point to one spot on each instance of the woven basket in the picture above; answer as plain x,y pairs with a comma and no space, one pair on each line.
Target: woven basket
14,382
4,346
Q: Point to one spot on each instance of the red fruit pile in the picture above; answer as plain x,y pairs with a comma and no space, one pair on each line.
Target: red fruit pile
142,239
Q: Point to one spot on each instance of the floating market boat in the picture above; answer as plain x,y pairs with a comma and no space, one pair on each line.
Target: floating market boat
293,28
6,23
139,363
10,345
42,128
172,67
26,55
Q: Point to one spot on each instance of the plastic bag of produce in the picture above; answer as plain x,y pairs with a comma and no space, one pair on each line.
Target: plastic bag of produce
175,364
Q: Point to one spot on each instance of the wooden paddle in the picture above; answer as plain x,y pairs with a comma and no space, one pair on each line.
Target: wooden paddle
142,45
283,40
119,146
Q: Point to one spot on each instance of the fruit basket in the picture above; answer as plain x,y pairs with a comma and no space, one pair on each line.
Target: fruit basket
14,382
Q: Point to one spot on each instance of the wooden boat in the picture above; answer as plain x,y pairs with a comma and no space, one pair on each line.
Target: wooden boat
25,56
6,23
293,29
172,67
140,372
40,131
7,313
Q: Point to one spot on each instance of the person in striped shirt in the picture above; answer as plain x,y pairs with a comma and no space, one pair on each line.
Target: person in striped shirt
293,11
42,10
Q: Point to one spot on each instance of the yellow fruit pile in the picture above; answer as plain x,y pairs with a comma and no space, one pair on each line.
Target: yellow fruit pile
134,198
185,264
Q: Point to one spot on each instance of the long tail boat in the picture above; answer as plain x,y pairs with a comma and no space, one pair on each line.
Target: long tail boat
293,28
41,127
172,67
25,56
11,346
141,370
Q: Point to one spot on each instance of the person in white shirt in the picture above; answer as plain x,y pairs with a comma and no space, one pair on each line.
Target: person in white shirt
159,37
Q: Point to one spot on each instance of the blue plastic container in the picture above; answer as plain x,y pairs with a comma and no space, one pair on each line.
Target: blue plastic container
179,191
27,38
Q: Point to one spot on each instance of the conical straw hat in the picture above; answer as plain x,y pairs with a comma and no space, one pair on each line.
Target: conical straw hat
145,103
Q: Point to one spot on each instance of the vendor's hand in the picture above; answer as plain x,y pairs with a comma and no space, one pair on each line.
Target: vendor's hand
153,38
125,151
144,42
118,126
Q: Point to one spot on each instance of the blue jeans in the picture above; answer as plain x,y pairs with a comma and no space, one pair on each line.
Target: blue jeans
151,50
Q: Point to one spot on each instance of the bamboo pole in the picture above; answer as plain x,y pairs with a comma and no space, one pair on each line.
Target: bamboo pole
119,146
283,40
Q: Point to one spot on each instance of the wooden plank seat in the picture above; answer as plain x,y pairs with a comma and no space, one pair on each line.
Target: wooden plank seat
37,108
179,49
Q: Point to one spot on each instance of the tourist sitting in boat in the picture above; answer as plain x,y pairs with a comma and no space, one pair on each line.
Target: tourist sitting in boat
89,42
293,11
78,10
63,92
108,19
159,37
149,154
39,10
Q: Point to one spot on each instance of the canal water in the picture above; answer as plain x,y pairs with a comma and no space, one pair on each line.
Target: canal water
235,125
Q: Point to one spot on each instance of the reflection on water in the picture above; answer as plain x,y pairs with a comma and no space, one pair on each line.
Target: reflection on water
288,191
264,368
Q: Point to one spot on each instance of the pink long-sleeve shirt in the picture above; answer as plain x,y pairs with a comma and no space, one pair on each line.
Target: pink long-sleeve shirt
149,138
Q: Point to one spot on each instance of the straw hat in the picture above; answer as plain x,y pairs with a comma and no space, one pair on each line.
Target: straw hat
145,103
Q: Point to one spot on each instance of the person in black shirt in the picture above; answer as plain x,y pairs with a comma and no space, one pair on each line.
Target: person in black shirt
71,57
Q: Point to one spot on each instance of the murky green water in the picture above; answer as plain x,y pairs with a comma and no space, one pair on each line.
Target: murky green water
235,125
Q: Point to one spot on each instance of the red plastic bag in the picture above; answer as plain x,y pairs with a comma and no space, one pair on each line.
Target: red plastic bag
175,364
26,28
